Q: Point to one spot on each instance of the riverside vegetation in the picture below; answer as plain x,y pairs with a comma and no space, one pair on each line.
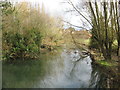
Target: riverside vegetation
28,31
25,29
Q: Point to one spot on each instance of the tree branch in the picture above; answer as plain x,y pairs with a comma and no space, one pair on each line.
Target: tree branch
70,2
74,25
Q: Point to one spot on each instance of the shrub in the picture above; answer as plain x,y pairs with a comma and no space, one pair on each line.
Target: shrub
21,45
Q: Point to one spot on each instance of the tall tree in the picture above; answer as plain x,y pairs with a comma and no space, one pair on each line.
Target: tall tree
103,22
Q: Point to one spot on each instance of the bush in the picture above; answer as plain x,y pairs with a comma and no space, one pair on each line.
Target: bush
21,45
24,29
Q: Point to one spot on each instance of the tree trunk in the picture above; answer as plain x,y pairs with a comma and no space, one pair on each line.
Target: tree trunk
106,52
119,32
118,49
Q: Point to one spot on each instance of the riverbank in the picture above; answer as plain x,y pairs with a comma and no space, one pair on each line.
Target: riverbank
109,68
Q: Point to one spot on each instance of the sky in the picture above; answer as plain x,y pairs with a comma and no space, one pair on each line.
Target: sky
52,6
56,7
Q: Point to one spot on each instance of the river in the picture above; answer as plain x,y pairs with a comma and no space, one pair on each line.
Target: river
61,69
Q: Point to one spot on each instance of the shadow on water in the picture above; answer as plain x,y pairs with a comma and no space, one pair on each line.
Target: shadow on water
27,73
56,70
21,74
97,78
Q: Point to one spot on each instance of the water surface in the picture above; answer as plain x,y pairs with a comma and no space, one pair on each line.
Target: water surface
63,69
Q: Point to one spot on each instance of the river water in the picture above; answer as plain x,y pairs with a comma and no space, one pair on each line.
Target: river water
61,69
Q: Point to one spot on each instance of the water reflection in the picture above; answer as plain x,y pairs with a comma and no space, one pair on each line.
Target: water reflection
51,71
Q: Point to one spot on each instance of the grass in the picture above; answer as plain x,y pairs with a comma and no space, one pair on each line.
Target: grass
105,63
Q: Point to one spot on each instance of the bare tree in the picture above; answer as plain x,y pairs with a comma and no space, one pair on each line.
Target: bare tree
104,23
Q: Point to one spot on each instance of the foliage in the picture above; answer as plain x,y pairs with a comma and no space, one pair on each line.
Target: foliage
21,45
7,7
25,28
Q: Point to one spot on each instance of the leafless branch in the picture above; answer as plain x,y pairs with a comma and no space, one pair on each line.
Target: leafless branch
70,2
75,25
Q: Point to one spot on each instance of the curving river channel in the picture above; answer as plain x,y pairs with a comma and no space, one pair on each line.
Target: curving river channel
63,69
